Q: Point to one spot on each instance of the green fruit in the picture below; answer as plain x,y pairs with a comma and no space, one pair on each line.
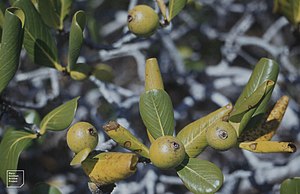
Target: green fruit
82,135
80,71
142,20
166,152
221,136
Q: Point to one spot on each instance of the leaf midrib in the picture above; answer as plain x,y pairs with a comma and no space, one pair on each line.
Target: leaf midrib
157,114
34,40
197,174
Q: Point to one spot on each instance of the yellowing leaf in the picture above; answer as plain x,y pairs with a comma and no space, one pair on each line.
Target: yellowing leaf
266,130
153,79
110,167
268,146
125,139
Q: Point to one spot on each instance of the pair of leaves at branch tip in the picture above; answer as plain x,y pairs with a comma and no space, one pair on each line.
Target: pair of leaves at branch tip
11,44
13,143
291,185
38,41
76,39
59,118
156,110
290,9
193,136
53,12
200,176
45,188
125,138
265,70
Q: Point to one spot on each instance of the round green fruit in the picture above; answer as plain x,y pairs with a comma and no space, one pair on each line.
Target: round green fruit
221,136
142,20
167,152
82,135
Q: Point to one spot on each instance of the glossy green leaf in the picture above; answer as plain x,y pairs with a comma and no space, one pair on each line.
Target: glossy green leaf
289,8
54,12
11,146
11,44
45,189
157,112
265,70
252,100
38,41
200,176
175,6
290,186
59,118
76,38
80,156
65,7
49,13
193,136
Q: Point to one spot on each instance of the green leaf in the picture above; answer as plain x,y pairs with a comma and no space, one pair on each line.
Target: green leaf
291,185
252,100
289,8
65,6
200,176
11,44
45,189
265,70
175,6
76,38
193,136
11,146
38,40
49,13
53,12
59,118
80,156
157,112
